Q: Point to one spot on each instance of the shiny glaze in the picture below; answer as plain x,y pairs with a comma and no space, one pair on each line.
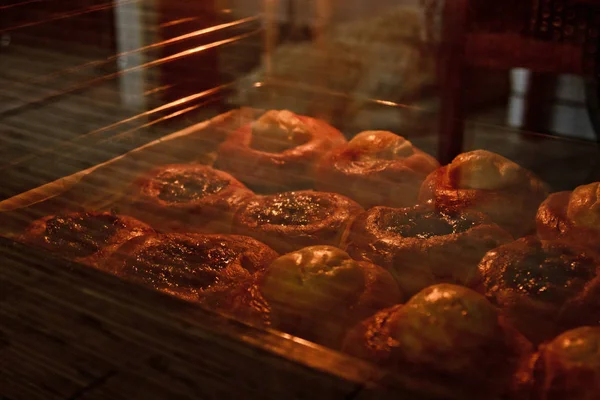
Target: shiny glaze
190,265
81,235
426,224
292,209
186,198
550,273
188,186
181,263
292,220
543,287
421,246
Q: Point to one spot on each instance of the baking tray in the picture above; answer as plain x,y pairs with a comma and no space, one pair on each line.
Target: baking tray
563,163
100,187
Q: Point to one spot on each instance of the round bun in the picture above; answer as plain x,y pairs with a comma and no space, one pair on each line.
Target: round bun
376,168
190,265
187,198
447,341
421,246
278,152
568,368
85,237
316,293
487,182
543,287
572,216
293,220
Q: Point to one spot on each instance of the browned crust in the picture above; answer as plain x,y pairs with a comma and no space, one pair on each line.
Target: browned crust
247,303
243,301
491,370
287,238
251,257
292,169
514,209
558,377
553,223
417,263
393,183
209,214
129,229
538,317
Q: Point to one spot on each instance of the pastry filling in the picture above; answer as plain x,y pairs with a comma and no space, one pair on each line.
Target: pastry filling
186,187
181,265
549,276
82,235
292,209
425,225
379,145
277,131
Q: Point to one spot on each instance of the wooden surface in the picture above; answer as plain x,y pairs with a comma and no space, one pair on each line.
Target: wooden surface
71,332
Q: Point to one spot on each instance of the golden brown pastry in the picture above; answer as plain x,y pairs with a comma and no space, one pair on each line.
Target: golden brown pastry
315,293
85,237
187,198
278,152
293,220
572,216
376,168
421,246
447,341
568,368
190,265
543,287
489,183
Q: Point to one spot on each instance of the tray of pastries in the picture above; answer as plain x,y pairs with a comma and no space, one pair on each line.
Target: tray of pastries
470,280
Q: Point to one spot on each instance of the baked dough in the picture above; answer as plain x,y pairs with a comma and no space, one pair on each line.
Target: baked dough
376,168
543,287
572,216
293,220
278,152
487,182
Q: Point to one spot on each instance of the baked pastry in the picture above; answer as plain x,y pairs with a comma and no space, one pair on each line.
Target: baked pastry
85,237
487,182
190,265
278,152
446,342
421,246
572,216
316,293
186,198
376,168
293,220
568,368
543,287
